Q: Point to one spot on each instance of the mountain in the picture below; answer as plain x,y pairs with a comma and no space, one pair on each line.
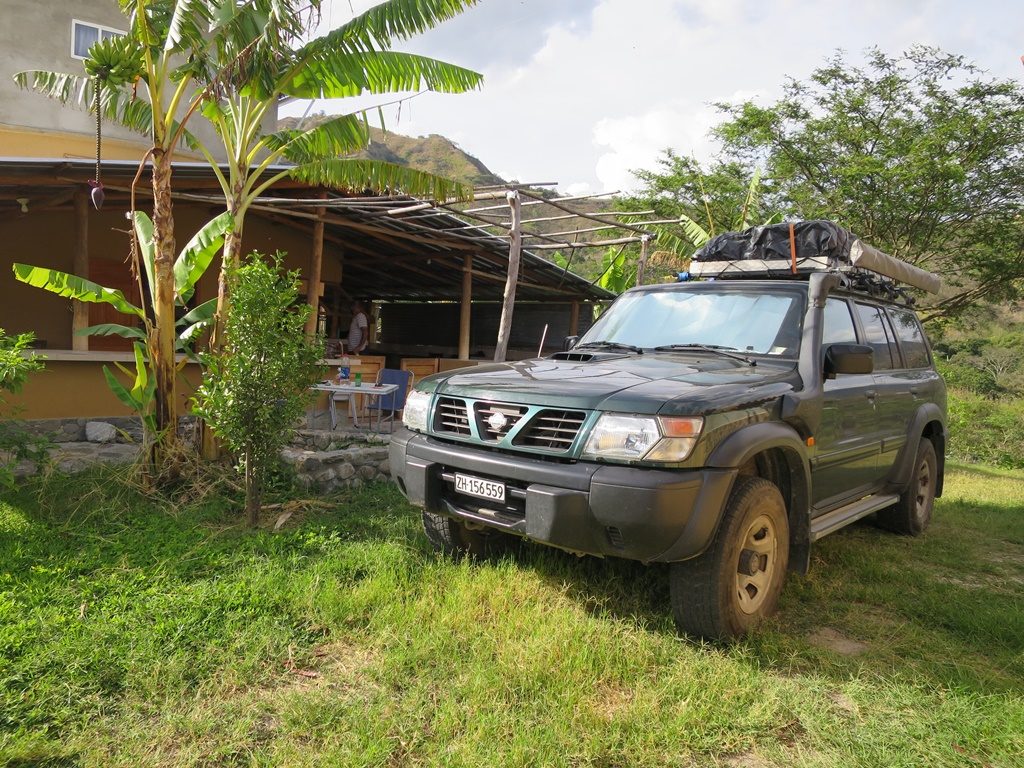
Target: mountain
433,154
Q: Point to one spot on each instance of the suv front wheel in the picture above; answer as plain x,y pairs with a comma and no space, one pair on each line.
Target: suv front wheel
736,583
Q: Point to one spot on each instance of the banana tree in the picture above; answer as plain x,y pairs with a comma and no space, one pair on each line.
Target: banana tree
252,76
186,270
232,61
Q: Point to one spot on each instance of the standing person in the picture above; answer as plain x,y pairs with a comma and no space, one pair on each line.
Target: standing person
358,329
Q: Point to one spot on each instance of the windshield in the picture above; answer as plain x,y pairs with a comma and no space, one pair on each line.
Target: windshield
758,322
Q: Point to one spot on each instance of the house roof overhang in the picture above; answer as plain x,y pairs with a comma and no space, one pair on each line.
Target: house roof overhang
395,247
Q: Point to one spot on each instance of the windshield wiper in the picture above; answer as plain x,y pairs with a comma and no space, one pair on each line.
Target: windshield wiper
717,349
610,345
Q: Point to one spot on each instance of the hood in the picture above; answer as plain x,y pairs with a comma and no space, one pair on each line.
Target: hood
670,383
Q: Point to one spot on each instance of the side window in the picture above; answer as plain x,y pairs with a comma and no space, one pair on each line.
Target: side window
911,337
838,323
878,337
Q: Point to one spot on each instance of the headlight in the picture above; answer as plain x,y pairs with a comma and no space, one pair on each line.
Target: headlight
648,438
414,415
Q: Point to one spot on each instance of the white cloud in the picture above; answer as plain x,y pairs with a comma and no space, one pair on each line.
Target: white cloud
583,98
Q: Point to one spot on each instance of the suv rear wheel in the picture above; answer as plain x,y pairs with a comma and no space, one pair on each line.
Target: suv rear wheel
454,538
736,583
913,512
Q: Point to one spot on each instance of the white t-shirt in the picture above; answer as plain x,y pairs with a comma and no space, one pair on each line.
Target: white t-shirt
355,333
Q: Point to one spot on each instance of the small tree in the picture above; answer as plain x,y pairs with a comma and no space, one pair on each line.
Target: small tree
15,366
257,386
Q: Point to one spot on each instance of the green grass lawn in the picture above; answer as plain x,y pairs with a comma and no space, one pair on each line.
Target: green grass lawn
137,633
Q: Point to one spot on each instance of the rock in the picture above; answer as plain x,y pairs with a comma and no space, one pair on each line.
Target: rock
309,462
385,467
367,472
322,441
118,453
70,466
100,432
344,471
325,476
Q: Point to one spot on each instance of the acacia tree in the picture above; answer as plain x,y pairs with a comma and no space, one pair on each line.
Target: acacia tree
921,154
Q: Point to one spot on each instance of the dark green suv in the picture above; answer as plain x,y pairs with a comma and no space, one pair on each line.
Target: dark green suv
720,427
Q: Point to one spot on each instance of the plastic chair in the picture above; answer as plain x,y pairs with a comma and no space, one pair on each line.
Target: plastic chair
392,402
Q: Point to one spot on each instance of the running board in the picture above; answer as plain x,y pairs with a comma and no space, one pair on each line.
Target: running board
837,518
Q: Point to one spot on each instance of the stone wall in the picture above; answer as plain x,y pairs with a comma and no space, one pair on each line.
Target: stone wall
345,460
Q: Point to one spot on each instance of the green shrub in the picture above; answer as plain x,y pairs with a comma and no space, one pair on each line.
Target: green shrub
985,430
258,386
16,444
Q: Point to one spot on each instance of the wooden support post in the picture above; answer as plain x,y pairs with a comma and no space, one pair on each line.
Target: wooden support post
467,306
515,248
80,267
641,265
315,267
574,319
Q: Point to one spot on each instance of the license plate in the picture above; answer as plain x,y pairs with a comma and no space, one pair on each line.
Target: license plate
476,486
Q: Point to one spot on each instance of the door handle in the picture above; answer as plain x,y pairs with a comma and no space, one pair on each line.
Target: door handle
870,394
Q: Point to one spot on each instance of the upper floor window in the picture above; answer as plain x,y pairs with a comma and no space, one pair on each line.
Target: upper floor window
84,35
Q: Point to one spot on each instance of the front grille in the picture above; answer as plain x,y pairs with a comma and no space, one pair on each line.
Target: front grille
452,416
485,414
552,429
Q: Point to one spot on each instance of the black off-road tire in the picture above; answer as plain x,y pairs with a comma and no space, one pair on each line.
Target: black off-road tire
452,538
911,515
722,594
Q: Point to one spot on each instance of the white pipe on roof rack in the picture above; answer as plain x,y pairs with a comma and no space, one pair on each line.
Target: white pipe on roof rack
868,257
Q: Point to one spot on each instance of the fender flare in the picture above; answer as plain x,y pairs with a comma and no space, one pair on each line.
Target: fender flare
903,467
741,446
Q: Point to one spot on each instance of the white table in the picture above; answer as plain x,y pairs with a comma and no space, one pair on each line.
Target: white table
348,388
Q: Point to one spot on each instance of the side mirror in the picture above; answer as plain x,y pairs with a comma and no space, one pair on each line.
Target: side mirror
848,358
569,342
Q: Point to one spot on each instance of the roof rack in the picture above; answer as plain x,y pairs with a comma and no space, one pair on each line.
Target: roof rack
797,249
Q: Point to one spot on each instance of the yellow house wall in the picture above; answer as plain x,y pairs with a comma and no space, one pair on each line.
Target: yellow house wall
77,389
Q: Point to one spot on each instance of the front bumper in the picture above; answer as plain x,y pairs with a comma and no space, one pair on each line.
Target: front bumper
637,513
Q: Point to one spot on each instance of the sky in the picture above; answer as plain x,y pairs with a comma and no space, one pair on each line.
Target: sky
582,92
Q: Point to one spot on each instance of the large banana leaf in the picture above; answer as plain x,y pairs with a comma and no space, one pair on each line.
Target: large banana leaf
196,256
147,248
397,19
332,73
352,173
112,329
73,287
342,135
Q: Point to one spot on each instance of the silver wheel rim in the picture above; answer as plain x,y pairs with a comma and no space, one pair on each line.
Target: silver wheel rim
760,542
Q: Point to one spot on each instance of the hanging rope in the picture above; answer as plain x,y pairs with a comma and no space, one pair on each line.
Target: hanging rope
96,193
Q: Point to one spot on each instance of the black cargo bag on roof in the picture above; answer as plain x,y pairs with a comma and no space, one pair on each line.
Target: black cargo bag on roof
814,239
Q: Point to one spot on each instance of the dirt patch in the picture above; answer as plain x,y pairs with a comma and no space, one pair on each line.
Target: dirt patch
611,700
844,704
835,641
747,760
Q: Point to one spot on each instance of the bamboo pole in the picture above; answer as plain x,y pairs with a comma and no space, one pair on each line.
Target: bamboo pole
641,265
315,268
514,253
80,267
466,314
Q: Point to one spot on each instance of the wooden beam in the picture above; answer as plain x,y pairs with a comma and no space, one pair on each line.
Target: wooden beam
466,313
515,249
80,267
574,318
315,269
641,265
